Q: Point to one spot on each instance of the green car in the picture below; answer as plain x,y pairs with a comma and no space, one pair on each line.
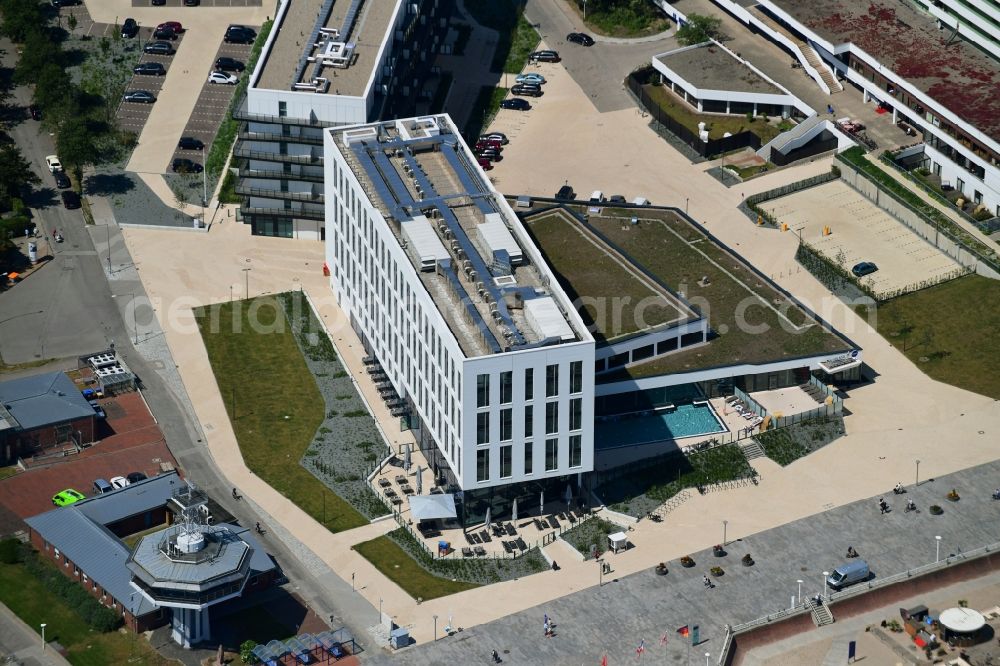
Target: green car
67,497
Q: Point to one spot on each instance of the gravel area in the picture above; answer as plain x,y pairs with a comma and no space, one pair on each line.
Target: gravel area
347,445
132,201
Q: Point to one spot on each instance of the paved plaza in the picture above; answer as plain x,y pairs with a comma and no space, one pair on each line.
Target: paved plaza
614,618
861,231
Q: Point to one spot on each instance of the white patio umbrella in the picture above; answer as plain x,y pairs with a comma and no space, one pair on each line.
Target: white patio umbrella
513,511
569,494
406,458
489,516
541,503
420,481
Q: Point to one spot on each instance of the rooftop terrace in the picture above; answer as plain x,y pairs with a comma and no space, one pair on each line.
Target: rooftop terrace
329,47
460,235
709,278
709,67
954,73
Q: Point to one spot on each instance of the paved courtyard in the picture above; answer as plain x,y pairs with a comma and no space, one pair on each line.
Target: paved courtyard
614,618
861,231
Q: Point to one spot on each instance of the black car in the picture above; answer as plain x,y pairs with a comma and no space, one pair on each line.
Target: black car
192,3
36,113
565,193
496,136
544,56
164,33
158,3
136,477
239,35
184,165
580,38
190,143
516,103
225,64
159,48
617,199
150,69
864,268
64,3
526,90
139,96
491,154
62,180
130,28
70,199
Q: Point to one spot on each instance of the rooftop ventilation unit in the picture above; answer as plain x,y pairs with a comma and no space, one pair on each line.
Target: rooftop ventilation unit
473,275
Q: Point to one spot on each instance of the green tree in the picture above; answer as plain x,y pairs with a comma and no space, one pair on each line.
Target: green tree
72,22
15,173
246,652
20,17
53,87
35,54
700,29
75,143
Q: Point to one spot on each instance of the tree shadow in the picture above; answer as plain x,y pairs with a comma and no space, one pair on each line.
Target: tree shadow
41,198
106,184
73,57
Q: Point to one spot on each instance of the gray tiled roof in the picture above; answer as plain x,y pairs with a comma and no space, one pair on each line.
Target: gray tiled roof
41,400
131,500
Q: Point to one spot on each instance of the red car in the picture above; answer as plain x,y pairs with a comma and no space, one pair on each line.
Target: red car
172,25
488,143
484,163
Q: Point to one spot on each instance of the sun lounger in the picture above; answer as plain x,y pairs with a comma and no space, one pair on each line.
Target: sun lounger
553,522
485,536
507,548
510,530
480,551
520,544
466,552
538,525
475,538
385,483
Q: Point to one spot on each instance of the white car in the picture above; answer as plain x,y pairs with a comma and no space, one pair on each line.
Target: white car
530,77
223,77
119,482
53,163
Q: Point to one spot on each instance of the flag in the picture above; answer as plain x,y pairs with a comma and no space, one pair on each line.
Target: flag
663,638
684,631
642,647
604,660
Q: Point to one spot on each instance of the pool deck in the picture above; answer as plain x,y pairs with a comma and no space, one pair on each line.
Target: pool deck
786,401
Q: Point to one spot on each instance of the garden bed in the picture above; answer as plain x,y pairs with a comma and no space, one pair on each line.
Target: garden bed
592,532
786,445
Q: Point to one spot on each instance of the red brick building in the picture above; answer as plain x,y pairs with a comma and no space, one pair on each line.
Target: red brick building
41,412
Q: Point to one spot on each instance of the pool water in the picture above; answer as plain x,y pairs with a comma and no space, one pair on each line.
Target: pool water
684,421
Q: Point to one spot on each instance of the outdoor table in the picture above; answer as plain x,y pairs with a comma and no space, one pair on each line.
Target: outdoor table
962,620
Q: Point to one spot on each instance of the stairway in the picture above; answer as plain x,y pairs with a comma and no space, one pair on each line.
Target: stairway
751,449
817,63
821,615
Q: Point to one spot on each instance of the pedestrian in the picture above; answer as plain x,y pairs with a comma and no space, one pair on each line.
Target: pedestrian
707,581
496,657
548,629
259,531
881,505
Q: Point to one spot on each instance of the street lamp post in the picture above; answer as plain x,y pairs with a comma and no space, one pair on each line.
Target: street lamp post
937,549
246,272
826,590
917,482
380,609
600,573
800,581
707,655
435,627
686,200
352,577
107,228
725,524
43,637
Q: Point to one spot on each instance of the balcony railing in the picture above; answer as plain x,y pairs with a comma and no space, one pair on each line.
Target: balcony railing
272,193
242,151
251,135
282,212
281,175
241,113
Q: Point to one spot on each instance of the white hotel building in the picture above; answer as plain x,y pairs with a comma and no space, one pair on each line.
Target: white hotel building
455,303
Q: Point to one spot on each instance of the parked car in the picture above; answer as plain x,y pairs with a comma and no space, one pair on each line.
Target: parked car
173,25
163,32
581,38
225,64
52,161
184,165
158,3
140,97
135,477
102,486
99,411
498,136
192,3
36,113
222,77
190,143
530,77
617,199
158,48
516,103
130,28
490,154
238,34
489,143
70,199
526,90
119,482
864,268
484,163
64,3
565,193
67,497
62,180
544,56
150,69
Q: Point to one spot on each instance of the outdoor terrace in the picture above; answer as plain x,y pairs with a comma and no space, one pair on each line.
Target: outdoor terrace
716,282
614,298
709,67
281,64
955,73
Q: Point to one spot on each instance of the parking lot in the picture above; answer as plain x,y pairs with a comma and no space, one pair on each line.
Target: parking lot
213,104
202,3
861,231
132,116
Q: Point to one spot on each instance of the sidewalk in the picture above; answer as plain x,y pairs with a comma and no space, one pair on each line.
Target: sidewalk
21,642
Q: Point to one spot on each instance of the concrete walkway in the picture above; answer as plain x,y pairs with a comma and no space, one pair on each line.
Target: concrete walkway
20,642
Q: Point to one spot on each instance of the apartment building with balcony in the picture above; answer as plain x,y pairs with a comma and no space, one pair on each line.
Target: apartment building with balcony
336,62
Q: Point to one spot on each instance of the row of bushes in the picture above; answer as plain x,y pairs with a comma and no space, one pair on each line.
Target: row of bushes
832,275
98,617
856,158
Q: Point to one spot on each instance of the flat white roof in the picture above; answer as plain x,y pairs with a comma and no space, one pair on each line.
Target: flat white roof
426,244
544,316
497,236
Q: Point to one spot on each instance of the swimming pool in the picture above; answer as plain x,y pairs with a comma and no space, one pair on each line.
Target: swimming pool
687,420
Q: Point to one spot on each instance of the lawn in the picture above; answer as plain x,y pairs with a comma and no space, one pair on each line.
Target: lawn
33,603
598,280
272,401
717,125
734,299
400,568
483,110
949,331
627,19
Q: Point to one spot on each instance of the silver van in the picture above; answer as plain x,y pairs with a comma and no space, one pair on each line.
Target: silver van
102,486
848,574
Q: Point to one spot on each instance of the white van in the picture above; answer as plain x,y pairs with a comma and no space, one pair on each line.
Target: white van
640,201
848,574
596,197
